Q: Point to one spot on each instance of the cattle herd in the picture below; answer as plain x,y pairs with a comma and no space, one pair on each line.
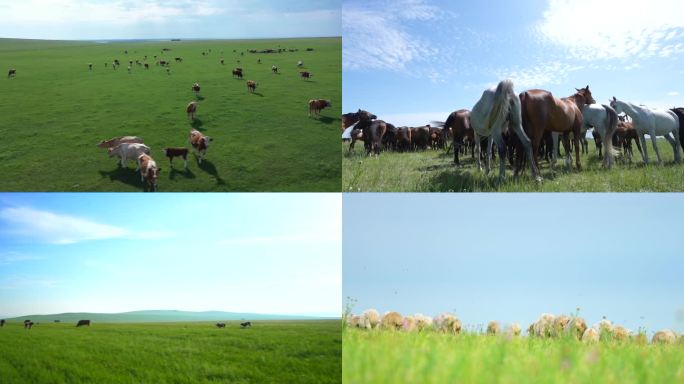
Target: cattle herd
133,148
546,326
28,324
525,127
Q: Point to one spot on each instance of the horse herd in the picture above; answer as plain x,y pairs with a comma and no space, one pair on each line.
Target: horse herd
528,125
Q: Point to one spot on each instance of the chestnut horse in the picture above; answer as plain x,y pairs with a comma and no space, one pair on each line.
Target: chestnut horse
498,109
624,134
541,112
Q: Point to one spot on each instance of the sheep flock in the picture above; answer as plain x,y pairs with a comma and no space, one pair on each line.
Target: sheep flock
546,326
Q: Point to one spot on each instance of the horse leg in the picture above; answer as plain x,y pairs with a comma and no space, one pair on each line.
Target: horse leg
654,140
674,142
477,151
576,141
530,145
502,156
678,156
490,144
644,153
568,151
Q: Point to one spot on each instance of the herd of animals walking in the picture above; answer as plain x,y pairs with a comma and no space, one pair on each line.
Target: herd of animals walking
526,126
132,147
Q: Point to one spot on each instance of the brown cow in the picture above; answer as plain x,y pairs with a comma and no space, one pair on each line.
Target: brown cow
177,152
148,170
251,85
199,143
305,75
191,109
237,72
316,105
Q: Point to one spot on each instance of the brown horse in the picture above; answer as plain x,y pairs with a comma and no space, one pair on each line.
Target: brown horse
542,112
459,124
365,129
402,139
624,134
349,119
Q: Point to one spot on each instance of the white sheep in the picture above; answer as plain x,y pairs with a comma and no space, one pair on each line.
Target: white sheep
493,328
513,330
665,336
446,322
422,322
542,327
575,327
392,320
590,335
370,318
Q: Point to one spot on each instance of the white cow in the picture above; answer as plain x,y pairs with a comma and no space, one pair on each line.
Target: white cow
128,151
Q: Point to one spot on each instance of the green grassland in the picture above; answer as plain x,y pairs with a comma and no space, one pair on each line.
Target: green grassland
434,171
269,352
55,111
430,357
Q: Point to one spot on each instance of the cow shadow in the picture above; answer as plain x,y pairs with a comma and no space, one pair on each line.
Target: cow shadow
197,124
210,168
200,98
185,173
326,119
258,94
124,175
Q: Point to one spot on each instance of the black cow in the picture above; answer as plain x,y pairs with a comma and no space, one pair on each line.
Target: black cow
246,324
2,323
83,322
12,73
220,325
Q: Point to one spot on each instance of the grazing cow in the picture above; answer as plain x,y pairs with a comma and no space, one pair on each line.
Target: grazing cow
126,151
90,66
119,140
191,109
58,321
222,62
199,143
258,61
237,72
83,322
305,75
2,323
179,59
251,85
196,88
300,64
116,62
113,65
177,152
220,325
316,105
12,73
163,63
130,62
148,171
274,69
26,324
147,66
246,324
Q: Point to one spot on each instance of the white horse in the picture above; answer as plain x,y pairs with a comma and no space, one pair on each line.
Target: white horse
604,120
653,122
497,107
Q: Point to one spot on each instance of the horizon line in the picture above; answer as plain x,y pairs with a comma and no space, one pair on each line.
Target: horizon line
175,38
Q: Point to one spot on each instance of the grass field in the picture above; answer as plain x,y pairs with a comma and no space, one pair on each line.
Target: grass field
429,357
434,171
269,352
55,112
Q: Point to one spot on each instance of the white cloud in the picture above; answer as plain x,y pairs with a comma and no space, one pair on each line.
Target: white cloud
65,229
380,39
541,74
119,12
673,93
614,28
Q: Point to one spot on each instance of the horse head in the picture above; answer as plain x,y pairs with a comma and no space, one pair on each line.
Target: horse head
613,102
586,94
365,115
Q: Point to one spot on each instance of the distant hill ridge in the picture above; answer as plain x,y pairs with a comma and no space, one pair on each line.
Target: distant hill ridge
157,316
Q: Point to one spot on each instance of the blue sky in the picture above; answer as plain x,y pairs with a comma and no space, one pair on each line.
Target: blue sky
511,257
98,252
412,61
130,19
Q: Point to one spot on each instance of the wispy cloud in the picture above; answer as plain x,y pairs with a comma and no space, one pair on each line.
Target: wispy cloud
25,281
57,228
380,38
541,74
300,238
673,93
11,257
610,29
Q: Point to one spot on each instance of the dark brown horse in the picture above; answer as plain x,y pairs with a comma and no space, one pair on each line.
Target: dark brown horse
349,119
624,134
680,114
373,130
459,124
402,139
542,112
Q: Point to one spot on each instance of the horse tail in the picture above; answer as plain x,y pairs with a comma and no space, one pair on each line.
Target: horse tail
501,103
611,125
